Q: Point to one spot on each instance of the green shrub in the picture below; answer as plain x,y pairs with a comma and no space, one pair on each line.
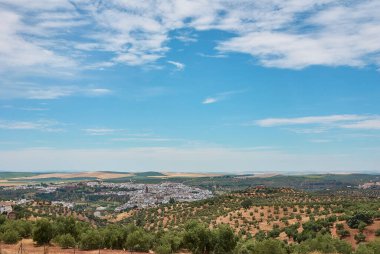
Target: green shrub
66,241
11,237
43,232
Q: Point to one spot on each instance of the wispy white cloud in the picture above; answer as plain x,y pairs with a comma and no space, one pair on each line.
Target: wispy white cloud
186,36
40,125
178,65
100,131
370,124
97,91
320,141
209,100
212,56
142,139
269,122
323,123
34,109
19,50
221,96
26,90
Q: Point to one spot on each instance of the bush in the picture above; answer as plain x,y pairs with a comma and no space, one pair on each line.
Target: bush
11,237
66,241
247,203
339,226
274,233
163,248
364,249
139,240
271,246
197,238
324,244
360,238
224,240
90,240
343,233
362,226
354,221
43,232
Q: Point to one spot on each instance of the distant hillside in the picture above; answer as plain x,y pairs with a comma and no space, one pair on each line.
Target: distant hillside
7,175
149,173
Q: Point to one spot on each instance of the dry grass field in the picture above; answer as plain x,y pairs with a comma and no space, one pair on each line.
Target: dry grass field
99,175
28,247
190,175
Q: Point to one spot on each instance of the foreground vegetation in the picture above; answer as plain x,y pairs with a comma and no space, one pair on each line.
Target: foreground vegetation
194,236
257,221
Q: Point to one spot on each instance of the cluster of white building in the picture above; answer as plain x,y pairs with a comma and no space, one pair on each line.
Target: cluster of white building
369,185
140,195
44,189
153,194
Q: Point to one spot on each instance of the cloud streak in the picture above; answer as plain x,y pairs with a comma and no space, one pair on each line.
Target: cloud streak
221,96
178,65
322,123
40,125
25,90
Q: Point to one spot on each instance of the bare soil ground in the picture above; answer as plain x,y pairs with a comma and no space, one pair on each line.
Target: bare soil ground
28,247
5,183
237,222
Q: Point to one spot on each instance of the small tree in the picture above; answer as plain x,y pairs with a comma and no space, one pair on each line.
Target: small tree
359,238
139,240
247,203
90,240
361,226
43,232
66,241
11,236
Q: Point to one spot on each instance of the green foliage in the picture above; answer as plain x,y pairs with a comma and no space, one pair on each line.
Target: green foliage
11,236
65,225
22,227
375,245
360,237
163,248
65,241
343,233
261,235
43,232
90,240
364,249
339,226
245,247
3,218
247,203
169,240
224,240
324,244
274,233
364,216
271,246
267,246
139,240
197,238
114,236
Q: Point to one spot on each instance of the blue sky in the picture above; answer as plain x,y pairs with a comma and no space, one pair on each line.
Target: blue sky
242,86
